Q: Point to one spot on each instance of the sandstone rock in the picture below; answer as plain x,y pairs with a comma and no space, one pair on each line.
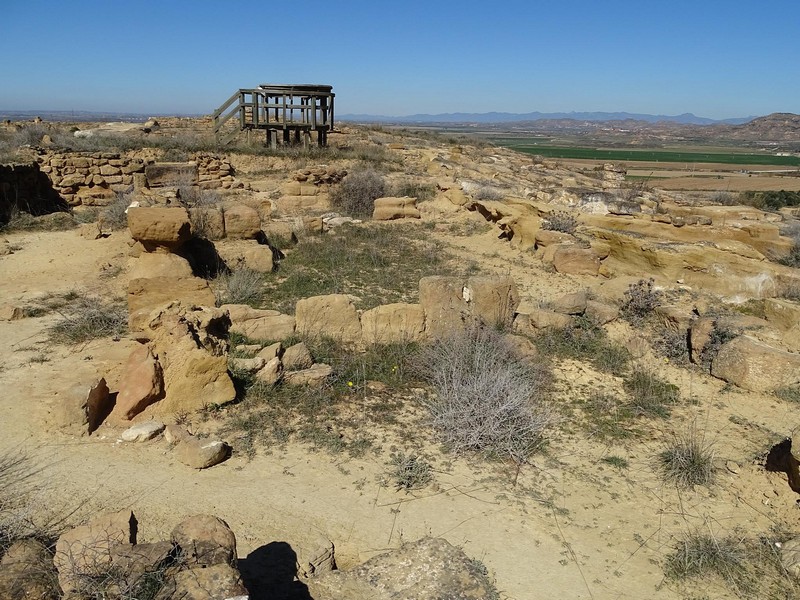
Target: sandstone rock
314,375
790,557
546,237
260,324
321,560
217,582
205,540
784,314
175,433
241,221
142,432
332,316
147,295
387,209
442,300
576,261
207,222
142,384
428,568
159,264
84,406
258,258
191,346
131,563
271,351
27,572
201,454
170,174
154,227
601,313
11,313
85,551
250,365
540,319
492,300
272,371
570,304
754,366
297,357
393,323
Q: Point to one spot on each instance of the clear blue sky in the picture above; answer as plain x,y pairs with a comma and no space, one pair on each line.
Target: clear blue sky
713,58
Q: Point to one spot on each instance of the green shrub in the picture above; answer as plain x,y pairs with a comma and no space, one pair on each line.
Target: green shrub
357,193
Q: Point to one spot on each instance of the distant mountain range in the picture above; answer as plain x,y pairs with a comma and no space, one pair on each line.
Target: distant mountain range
502,117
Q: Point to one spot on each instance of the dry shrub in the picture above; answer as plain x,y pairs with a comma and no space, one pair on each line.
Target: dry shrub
641,299
357,193
87,319
487,399
561,221
688,460
239,286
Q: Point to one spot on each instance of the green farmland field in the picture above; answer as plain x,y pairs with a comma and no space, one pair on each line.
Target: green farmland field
667,156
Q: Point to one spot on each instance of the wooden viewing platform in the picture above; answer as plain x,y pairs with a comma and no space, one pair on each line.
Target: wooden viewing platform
288,113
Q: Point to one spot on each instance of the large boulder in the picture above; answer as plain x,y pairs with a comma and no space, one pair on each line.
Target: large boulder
170,174
492,300
755,366
159,227
387,209
84,406
783,314
449,302
205,540
27,572
191,346
393,323
148,294
576,261
142,384
333,316
159,264
217,582
442,300
241,221
201,453
429,568
258,324
85,552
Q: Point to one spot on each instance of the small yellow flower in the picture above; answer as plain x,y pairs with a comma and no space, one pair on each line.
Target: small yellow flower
349,384
666,360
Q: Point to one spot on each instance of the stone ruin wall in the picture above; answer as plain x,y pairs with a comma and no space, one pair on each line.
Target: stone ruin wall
94,178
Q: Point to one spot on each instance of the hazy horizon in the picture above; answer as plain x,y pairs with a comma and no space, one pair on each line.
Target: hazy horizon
419,58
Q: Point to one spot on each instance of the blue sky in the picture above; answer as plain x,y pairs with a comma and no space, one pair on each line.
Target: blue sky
715,59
